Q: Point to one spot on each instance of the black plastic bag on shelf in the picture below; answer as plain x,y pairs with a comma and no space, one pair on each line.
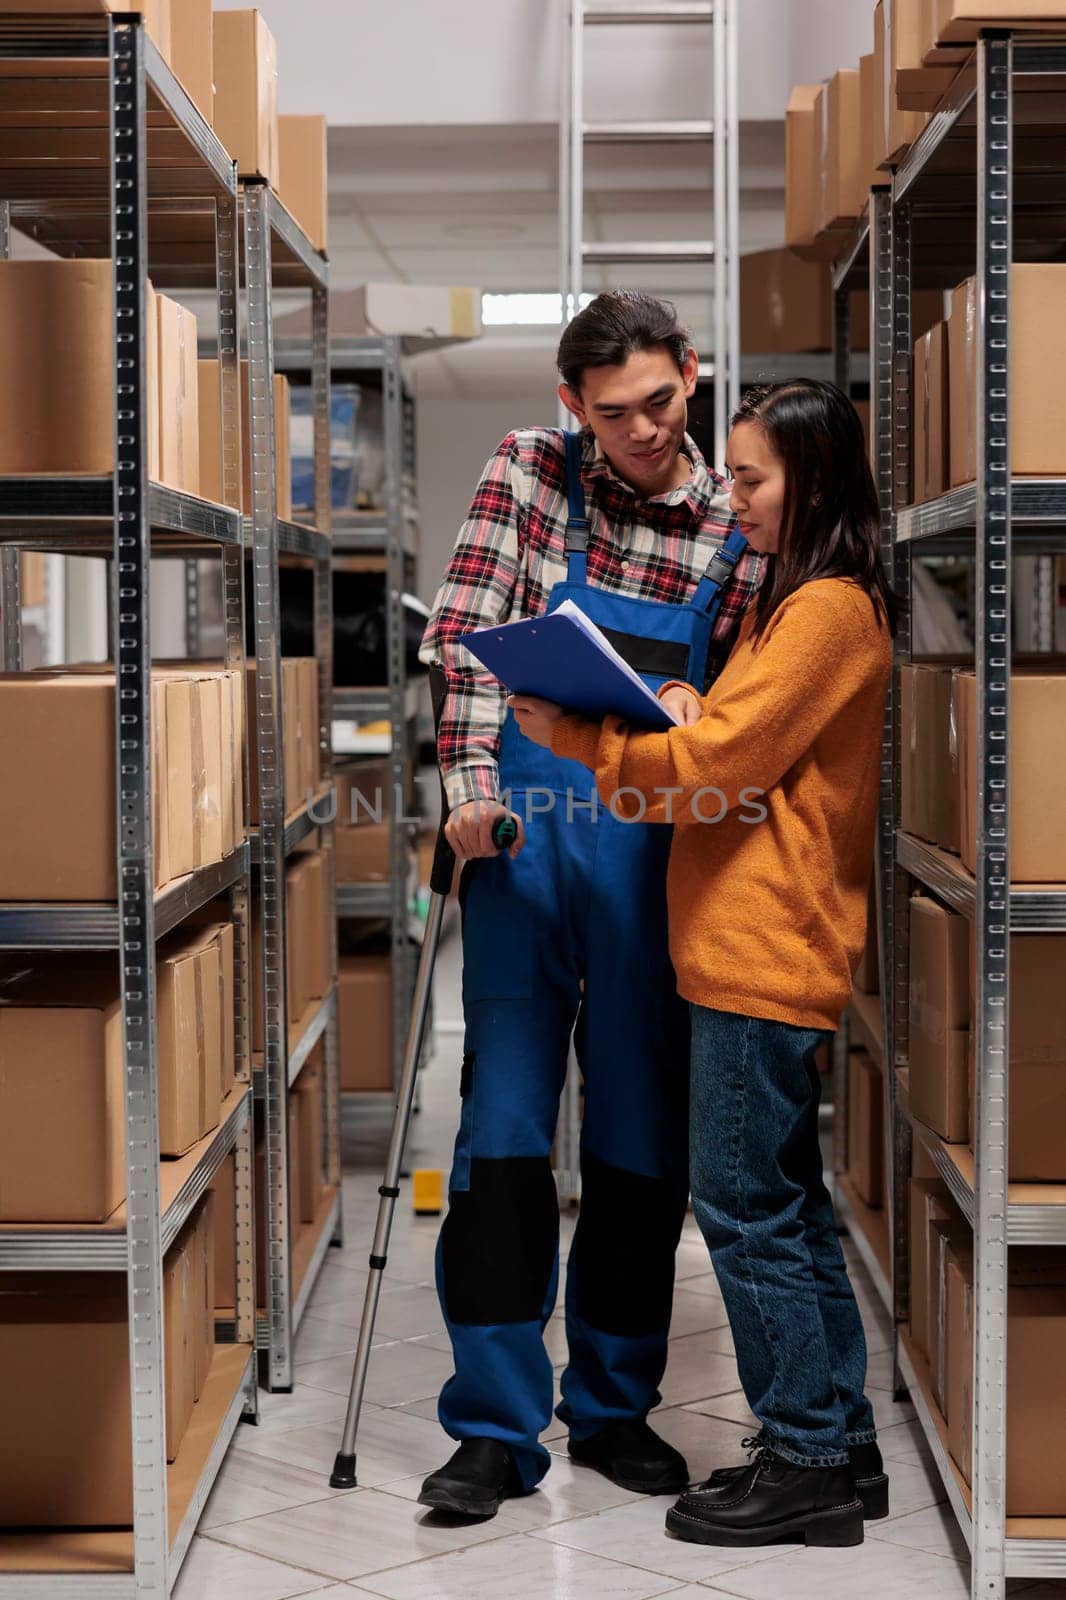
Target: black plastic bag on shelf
358,625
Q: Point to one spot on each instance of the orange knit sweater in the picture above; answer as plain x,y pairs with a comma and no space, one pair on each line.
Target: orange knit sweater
767,904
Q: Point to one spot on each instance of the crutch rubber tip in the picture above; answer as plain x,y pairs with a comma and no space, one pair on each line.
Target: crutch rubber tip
343,1474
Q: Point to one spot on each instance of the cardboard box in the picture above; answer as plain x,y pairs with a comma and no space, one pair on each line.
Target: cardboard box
1036,1396
419,310
246,92
895,130
308,1098
363,853
867,978
1037,1056
1038,769
33,587
839,201
181,1044
319,918
960,21
212,1024
65,1343
156,13
57,408
958,1296
201,1291
179,1333
298,935
61,1070
62,847
939,1019
929,753
946,1236
192,53
224,1236
365,1014
785,303
179,409
869,117
924,1193
290,672
922,1163
931,421
916,86
866,1161
802,155
1038,355
303,178
228,974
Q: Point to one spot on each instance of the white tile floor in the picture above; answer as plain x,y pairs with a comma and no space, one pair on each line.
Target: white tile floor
273,1528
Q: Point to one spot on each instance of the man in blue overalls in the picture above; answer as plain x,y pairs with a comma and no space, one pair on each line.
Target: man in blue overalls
566,933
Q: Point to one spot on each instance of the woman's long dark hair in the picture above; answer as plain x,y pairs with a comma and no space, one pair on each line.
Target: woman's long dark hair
831,519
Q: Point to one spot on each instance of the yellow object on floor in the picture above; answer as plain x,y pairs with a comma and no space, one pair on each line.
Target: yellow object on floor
428,1191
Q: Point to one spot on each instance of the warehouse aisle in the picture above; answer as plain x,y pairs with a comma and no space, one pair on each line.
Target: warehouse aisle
273,1528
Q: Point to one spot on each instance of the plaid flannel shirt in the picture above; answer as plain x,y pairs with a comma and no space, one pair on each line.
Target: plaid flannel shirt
510,553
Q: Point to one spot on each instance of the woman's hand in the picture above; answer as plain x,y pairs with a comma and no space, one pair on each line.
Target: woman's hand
536,718
684,704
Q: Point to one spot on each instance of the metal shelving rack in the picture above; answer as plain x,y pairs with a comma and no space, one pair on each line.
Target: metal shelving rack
102,207
392,534
278,255
927,229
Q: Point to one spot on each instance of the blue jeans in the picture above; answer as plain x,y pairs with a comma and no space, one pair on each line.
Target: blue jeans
762,1207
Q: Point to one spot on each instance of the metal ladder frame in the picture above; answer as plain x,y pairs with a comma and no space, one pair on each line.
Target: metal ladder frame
722,249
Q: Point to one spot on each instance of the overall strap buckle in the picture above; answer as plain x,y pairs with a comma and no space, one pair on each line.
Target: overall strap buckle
577,525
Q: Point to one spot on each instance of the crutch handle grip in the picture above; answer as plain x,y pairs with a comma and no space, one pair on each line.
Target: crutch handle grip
504,834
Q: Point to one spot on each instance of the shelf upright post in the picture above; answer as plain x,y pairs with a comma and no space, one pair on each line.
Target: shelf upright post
992,903
395,497
842,339
892,886
323,626
270,743
191,573
227,247
130,612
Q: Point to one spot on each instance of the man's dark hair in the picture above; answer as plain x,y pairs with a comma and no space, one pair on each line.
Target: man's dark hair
612,327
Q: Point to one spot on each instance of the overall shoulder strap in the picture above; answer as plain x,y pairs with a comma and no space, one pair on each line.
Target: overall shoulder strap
720,568
577,527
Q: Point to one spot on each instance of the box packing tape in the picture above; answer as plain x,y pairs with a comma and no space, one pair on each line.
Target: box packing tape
201,1033
200,799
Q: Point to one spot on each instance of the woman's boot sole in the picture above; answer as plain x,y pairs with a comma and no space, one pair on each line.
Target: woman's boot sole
837,1529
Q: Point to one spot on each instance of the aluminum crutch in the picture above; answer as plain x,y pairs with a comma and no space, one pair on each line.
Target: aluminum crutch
504,834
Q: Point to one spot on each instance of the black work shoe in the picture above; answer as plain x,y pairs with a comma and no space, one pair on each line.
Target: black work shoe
771,1500
871,1480
480,1474
634,1457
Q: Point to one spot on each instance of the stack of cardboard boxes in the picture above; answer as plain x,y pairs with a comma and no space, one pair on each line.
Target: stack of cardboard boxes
942,1336
65,1341
58,817
844,136
307,943
61,1071
300,730
945,384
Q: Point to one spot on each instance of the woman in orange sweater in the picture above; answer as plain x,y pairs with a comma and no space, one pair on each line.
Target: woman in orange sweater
771,781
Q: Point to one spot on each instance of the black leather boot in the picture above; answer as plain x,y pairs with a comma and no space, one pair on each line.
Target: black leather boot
480,1474
771,1500
871,1480
632,1455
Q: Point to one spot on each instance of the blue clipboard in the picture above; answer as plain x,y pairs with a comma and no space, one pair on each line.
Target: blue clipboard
558,658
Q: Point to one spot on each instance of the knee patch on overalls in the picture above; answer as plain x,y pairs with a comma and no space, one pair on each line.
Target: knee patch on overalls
499,1240
624,1249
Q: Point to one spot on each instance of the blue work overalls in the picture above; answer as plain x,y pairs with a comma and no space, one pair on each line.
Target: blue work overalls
585,900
